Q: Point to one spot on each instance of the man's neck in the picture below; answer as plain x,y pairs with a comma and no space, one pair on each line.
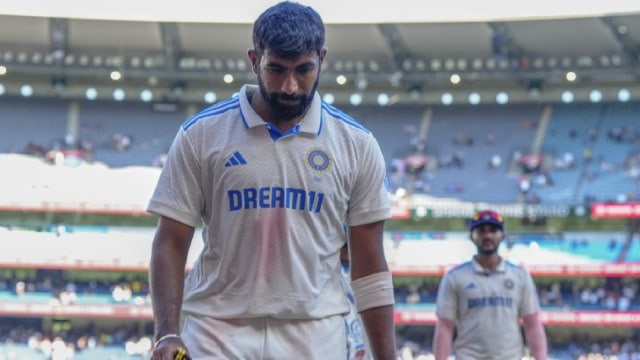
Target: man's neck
261,108
488,262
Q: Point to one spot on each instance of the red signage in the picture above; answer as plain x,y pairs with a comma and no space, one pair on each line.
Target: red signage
400,212
562,317
615,211
601,318
614,269
76,310
401,316
414,317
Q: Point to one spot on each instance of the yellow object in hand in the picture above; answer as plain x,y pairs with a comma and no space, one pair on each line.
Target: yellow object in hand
181,354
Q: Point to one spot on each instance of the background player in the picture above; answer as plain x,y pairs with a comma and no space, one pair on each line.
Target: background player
484,299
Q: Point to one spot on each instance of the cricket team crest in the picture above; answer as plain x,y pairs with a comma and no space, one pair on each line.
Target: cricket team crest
508,284
319,160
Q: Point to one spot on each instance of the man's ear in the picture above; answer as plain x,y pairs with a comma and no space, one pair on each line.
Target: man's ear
323,54
254,58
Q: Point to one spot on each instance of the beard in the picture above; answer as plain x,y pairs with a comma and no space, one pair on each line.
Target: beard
285,112
487,251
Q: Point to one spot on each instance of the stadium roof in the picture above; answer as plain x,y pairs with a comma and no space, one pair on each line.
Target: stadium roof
333,11
410,51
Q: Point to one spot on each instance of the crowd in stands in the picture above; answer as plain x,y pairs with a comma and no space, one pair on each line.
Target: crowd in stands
612,293
68,151
423,163
66,344
420,163
601,294
129,342
593,158
581,348
578,157
55,289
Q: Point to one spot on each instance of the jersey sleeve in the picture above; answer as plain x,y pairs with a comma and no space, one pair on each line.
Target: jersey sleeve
447,299
178,193
529,303
369,201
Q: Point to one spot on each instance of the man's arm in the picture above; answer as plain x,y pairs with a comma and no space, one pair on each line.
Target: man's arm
535,336
166,276
442,338
367,258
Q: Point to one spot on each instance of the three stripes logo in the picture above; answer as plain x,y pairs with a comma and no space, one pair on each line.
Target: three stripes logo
471,286
235,159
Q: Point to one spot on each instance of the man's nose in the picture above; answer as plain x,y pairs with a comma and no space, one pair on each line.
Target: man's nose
290,84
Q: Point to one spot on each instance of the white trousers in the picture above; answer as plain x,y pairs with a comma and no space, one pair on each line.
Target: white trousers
264,338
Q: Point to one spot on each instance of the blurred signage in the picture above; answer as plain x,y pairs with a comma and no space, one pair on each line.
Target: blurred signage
401,316
562,317
76,310
576,270
603,269
423,207
400,212
600,318
615,211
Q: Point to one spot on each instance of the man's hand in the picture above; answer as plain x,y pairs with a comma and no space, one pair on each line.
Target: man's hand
170,349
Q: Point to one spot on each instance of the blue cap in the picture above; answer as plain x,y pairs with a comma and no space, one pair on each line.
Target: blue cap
487,217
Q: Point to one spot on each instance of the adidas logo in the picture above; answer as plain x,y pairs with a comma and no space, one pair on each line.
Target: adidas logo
236,159
471,286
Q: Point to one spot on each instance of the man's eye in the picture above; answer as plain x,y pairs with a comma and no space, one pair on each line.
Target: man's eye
305,69
277,70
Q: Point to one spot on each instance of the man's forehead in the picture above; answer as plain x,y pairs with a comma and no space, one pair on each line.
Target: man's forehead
487,227
272,57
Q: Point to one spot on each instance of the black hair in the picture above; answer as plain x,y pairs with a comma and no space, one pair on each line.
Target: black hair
288,30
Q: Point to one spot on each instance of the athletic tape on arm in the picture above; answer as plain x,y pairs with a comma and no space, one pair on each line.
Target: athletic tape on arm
373,290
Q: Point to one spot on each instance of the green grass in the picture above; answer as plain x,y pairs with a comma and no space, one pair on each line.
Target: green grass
40,220
35,220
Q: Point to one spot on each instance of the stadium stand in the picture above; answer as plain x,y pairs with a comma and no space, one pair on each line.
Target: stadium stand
618,140
129,133
463,141
589,147
569,134
19,116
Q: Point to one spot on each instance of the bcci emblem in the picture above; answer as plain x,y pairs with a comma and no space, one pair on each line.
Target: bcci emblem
318,160
508,284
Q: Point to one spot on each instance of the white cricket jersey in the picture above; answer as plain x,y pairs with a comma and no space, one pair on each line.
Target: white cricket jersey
273,207
486,308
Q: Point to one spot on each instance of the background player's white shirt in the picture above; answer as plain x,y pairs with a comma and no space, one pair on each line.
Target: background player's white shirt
486,308
273,207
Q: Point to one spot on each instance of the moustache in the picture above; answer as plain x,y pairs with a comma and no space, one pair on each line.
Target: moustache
289,97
